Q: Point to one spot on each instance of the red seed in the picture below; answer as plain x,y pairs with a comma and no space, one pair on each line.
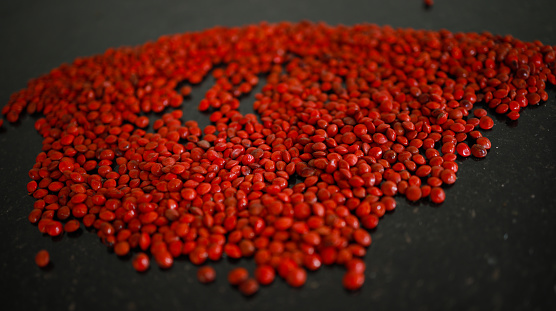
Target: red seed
356,265
486,123
437,195
413,193
164,259
389,188
141,262
249,287
478,151
265,274
463,150
353,280
362,237
35,215
448,176
485,142
238,276
42,259
72,226
296,277
206,274
121,248
54,228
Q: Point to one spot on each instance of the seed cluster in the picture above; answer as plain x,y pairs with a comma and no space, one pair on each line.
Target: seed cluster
358,114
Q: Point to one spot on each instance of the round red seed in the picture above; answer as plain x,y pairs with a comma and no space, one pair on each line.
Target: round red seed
42,259
265,274
141,262
353,280
238,276
437,195
249,287
206,274
296,277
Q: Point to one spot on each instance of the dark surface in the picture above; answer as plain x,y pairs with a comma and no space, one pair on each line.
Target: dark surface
490,246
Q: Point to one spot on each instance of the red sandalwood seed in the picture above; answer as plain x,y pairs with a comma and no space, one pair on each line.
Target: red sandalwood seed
42,259
249,287
141,262
353,280
265,274
237,276
206,274
296,277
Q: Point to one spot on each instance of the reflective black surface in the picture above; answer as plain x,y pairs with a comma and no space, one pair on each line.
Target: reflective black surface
490,246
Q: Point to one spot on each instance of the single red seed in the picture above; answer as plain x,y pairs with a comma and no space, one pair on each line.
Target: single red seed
121,248
486,123
296,277
353,280
42,259
265,274
478,151
463,149
164,259
249,287
35,215
356,265
141,262
54,228
71,226
485,142
362,237
448,176
413,193
437,195
206,274
238,276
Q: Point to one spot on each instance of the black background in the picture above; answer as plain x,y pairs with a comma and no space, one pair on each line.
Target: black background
490,246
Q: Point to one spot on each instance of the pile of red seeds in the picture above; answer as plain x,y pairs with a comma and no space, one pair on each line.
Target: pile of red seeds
358,114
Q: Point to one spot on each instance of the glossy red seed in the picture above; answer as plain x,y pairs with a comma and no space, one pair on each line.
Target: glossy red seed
238,276
362,237
34,216
71,226
463,149
121,248
42,259
296,277
485,142
164,259
486,123
206,274
141,262
249,287
54,228
413,193
356,265
265,274
437,195
448,176
353,280
478,151
389,188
